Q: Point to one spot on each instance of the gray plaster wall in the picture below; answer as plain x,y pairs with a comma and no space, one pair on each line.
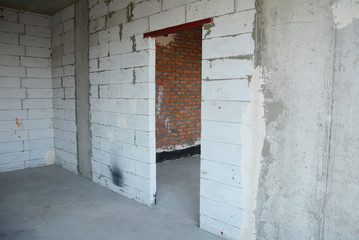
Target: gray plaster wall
308,182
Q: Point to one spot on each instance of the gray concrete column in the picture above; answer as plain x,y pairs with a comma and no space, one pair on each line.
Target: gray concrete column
82,90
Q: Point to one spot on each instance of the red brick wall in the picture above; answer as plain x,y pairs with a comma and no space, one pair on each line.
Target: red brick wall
178,91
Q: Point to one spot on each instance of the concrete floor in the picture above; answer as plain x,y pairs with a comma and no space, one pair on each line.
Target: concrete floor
52,203
178,184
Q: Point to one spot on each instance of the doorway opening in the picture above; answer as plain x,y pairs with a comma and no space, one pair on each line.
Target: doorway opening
178,121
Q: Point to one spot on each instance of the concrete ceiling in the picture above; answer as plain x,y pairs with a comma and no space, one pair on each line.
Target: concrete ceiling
47,7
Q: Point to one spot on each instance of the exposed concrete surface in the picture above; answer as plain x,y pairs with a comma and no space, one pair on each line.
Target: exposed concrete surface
341,207
52,203
82,89
252,133
308,181
178,187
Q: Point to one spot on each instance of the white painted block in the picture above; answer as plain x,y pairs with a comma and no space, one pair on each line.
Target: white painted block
38,52
241,46
70,115
56,19
221,212
11,166
145,139
35,62
56,42
40,114
219,228
110,91
68,13
145,170
9,49
101,157
138,90
68,36
8,15
9,38
58,30
219,172
38,144
68,81
122,163
93,39
69,47
14,157
41,133
27,40
134,59
34,163
37,31
227,68
9,125
12,115
57,51
145,74
97,24
208,8
230,24
169,18
116,18
69,24
39,93
57,72
116,5
69,104
119,47
11,147
68,59
69,92
99,51
146,8
223,111
41,153
69,70
12,93
13,136
34,19
11,27
9,82
36,83
221,132
242,5
37,103
8,60
135,27
222,193
167,4
37,124
235,90
97,11
39,72
10,104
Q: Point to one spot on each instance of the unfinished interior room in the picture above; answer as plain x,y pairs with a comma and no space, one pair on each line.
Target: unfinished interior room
179,119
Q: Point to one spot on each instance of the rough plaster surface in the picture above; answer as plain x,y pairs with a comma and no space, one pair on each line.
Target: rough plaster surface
307,184
253,130
345,11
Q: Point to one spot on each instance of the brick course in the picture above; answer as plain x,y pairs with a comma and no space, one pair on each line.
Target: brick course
178,91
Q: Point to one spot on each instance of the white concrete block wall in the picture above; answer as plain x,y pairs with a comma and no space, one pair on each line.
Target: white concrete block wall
63,77
122,98
227,53
26,115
